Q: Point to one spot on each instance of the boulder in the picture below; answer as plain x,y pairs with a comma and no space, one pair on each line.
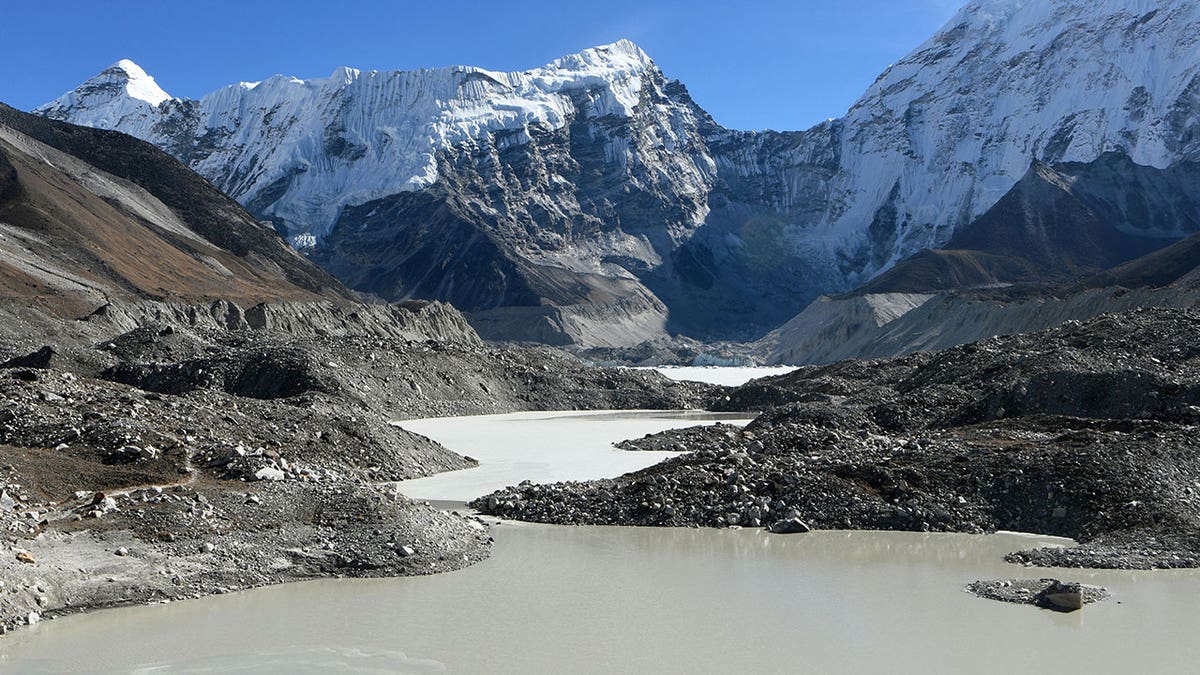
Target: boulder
269,473
1061,596
130,453
790,526
41,359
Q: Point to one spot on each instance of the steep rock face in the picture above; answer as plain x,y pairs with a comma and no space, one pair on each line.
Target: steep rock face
597,164
946,132
300,150
1058,224
1062,245
89,215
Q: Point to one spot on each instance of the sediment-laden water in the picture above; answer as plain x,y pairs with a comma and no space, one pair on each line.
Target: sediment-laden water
602,600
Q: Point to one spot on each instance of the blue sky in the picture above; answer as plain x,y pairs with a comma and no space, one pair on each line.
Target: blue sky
753,65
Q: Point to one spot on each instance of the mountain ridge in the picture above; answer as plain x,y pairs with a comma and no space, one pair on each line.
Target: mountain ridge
444,95
598,164
1059,224
92,215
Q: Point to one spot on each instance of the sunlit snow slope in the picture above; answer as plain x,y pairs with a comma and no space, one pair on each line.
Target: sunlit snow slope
593,193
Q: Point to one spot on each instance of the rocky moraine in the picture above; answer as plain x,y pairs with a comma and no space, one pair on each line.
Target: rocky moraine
1088,431
195,454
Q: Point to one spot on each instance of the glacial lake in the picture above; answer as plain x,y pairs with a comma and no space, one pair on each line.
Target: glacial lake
604,600
544,447
730,376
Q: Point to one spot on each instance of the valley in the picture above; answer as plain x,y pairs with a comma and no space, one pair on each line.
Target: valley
592,202
547,369
644,598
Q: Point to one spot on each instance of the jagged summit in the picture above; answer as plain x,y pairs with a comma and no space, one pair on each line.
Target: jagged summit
622,54
598,167
118,92
138,84
309,130
126,78
615,61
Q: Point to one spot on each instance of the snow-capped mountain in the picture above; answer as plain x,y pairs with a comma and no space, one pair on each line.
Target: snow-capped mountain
122,96
594,187
945,133
353,136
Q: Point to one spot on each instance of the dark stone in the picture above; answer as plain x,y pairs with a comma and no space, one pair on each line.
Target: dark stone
1061,596
40,359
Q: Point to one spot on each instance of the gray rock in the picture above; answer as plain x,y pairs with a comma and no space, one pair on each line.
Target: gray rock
790,526
1063,596
269,473
40,359
131,453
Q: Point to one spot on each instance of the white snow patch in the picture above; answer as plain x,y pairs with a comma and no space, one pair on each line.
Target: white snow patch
140,85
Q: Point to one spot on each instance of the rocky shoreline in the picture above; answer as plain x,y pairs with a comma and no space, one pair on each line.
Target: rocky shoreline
157,545
190,455
1088,431
181,459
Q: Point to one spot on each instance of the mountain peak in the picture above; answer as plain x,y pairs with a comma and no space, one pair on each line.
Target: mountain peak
128,67
624,47
620,55
138,84
344,75
117,91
